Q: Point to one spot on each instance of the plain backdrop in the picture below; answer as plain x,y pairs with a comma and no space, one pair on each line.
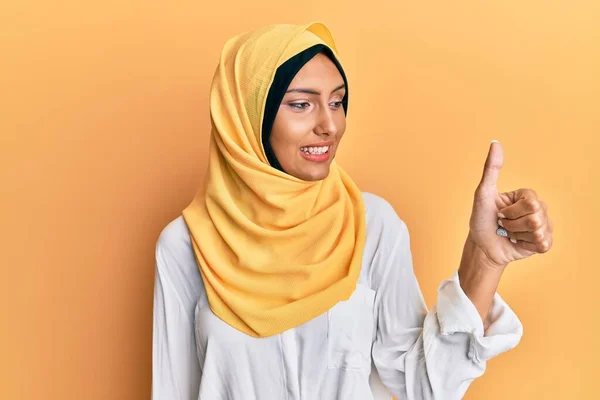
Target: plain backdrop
104,132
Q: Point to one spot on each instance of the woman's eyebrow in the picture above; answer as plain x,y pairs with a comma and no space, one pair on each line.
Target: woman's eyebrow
311,91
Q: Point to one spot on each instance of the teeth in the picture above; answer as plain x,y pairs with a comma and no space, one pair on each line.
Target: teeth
315,150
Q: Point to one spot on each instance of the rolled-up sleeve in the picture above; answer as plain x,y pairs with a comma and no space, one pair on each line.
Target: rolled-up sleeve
437,353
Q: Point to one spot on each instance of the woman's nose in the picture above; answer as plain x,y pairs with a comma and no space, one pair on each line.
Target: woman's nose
327,124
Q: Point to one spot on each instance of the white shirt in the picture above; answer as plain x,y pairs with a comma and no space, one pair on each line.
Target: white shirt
382,340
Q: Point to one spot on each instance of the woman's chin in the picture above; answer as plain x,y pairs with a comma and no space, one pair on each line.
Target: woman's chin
309,170
316,172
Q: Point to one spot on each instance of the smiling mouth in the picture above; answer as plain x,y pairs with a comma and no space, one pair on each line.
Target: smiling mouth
315,150
317,154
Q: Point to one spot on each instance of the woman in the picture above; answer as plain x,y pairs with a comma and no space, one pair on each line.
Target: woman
281,280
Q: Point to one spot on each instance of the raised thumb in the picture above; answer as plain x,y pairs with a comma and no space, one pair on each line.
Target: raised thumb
493,164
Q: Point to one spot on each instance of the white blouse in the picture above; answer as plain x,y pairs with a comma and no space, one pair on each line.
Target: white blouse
382,341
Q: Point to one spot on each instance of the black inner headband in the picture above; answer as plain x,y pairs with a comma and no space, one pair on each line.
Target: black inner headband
283,77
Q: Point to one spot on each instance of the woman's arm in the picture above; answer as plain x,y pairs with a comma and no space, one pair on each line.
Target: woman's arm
478,279
175,368
435,354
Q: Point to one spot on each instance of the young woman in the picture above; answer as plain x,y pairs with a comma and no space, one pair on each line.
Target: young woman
282,280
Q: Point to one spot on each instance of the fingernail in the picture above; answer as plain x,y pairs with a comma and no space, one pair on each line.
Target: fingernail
513,240
500,223
501,232
494,140
500,215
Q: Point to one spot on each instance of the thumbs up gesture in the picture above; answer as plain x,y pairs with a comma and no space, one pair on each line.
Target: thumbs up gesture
507,226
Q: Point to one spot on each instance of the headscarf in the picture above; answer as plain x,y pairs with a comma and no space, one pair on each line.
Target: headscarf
274,251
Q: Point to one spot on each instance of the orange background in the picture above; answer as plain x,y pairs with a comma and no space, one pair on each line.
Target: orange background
104,133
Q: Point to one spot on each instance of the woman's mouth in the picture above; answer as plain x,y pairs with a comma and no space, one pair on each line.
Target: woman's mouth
315,153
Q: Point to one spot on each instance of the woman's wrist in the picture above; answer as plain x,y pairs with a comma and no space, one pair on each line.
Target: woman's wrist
479,278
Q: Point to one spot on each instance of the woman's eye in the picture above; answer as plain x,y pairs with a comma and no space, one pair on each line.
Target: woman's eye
304,105
299,106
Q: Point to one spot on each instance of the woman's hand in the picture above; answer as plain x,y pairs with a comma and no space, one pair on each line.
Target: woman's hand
485,255
520,212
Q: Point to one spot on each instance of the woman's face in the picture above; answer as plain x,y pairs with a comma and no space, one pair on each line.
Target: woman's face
310,121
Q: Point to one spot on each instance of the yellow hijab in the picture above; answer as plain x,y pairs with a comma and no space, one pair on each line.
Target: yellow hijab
274,251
